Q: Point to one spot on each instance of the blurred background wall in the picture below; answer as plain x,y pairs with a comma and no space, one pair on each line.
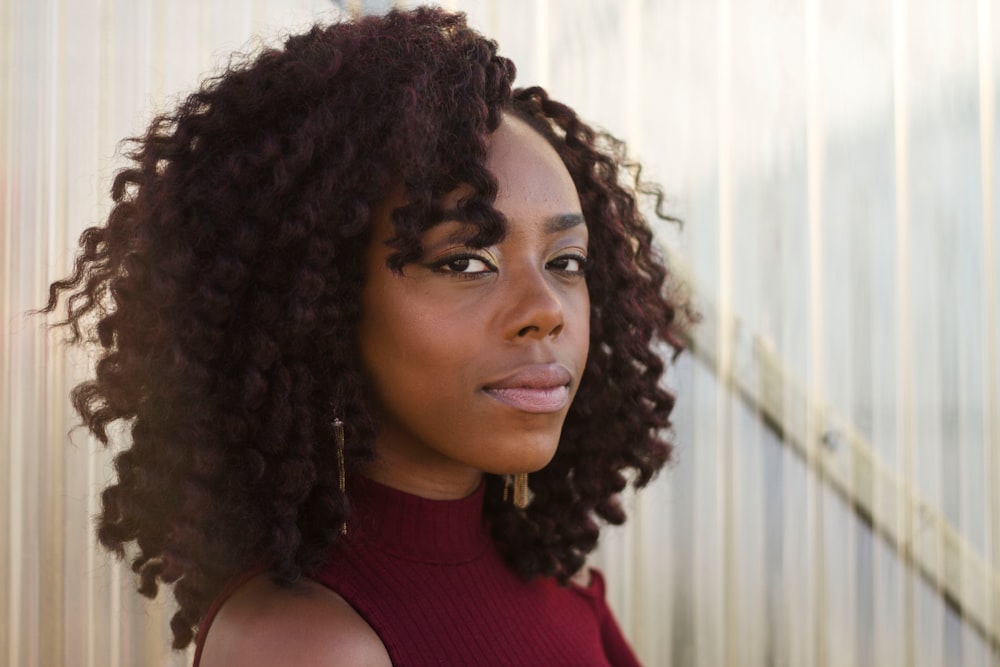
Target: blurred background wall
835,496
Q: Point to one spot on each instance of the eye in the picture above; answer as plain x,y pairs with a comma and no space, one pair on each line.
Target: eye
469,265
574,264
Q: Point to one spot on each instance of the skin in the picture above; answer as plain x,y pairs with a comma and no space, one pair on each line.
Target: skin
462,319
433,341
306,625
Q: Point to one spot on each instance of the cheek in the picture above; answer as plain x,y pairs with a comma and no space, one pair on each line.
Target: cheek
580,324
408,349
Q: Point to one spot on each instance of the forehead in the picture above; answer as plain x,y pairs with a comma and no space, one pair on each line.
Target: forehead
531,177
533,185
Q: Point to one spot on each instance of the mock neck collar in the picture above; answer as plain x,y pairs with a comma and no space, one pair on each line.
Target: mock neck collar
415,528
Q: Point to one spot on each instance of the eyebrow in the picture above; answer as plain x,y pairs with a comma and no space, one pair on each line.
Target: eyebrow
560,223
553,225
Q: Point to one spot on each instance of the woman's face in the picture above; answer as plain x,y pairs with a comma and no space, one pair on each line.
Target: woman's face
474,355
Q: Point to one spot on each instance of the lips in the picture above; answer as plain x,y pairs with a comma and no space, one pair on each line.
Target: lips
539,388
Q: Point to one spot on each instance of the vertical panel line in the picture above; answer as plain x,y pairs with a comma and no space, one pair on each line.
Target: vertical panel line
725,333
903,317
633,70
52,622
8,455
542,39
991,407
816,379
20,97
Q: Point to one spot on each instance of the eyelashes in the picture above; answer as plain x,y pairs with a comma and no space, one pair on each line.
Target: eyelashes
572,263
471,265
466,264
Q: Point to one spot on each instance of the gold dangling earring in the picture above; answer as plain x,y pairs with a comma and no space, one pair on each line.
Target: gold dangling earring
520,490
338,428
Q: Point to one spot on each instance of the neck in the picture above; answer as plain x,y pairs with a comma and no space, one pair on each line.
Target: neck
436,484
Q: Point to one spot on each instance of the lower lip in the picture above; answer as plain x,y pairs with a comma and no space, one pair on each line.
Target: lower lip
526,399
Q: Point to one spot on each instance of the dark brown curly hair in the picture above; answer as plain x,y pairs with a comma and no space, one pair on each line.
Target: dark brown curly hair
223,293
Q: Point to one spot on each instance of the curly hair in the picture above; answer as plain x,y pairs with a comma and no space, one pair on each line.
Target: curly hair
223,294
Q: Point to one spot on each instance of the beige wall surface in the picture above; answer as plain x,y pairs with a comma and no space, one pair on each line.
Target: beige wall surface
835,498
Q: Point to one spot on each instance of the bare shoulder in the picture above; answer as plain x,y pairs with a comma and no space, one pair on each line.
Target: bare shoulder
306,624
583,577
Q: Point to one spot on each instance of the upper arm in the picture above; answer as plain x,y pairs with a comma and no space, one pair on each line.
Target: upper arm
306,624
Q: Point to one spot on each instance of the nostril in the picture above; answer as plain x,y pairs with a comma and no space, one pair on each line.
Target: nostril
524,331
537,311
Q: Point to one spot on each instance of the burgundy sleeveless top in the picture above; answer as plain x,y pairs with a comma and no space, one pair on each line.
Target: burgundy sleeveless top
424,574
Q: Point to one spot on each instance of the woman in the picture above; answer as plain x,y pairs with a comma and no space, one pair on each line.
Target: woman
351,293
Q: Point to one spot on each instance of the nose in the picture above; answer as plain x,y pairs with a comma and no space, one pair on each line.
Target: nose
536,309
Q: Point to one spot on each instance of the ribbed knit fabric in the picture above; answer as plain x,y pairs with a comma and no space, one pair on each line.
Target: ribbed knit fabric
427,578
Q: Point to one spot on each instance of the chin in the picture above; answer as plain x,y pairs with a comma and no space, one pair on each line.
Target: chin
536,455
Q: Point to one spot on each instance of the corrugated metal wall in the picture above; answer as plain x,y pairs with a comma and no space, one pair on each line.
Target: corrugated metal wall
836,495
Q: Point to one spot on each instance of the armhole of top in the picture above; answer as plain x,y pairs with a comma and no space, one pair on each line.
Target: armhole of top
594,588
227,592
356,601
